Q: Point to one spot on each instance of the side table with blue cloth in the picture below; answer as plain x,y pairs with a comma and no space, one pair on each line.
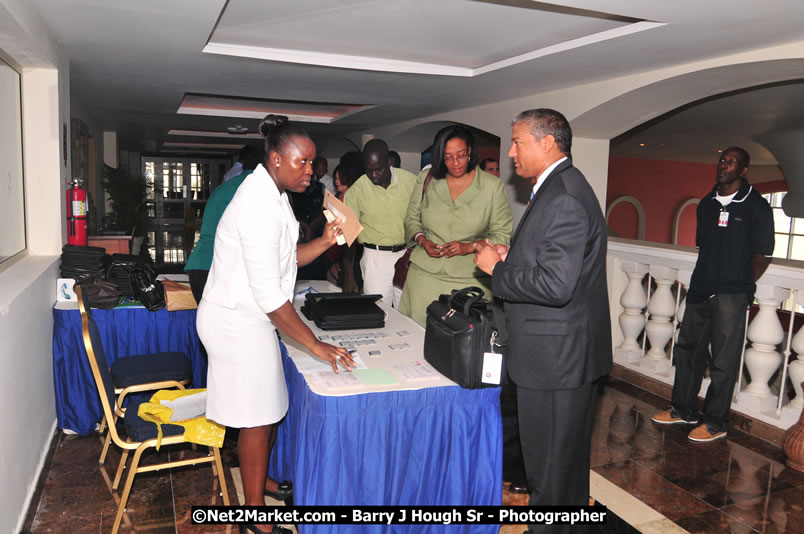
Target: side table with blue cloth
430,446
124,332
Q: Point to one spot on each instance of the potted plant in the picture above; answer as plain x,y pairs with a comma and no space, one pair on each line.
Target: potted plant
128,195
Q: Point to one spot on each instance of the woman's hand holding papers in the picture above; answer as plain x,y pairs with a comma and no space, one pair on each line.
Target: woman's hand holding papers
307,252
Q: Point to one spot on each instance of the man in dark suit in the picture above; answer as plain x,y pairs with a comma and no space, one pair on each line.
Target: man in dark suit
553,283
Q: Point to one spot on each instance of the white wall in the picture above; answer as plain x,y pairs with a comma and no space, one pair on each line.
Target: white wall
411,161
27,287
27,405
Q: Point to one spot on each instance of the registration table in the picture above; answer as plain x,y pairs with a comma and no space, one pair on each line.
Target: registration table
394,433
124,332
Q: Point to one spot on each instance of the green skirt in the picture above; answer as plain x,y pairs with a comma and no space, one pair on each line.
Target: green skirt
422,288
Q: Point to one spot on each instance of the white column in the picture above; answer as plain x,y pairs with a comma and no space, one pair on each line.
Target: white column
110,149
46,172
662,308
632,321
795,371
761,359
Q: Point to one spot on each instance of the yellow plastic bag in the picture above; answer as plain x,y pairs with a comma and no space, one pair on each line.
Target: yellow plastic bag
198,430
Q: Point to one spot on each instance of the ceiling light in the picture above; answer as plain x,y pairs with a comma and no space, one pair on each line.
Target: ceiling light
642,144
237,129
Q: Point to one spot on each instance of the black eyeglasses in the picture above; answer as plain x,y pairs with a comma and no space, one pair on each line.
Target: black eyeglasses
460,156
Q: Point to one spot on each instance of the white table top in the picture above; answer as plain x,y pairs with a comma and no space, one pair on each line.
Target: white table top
393,357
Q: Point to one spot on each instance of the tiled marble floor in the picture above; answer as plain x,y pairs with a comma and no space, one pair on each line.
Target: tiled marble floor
738,485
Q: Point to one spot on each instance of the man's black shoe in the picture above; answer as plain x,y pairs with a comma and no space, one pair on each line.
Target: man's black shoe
518,487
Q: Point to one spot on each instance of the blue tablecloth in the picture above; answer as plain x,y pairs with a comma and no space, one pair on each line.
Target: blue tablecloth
124,332
434,446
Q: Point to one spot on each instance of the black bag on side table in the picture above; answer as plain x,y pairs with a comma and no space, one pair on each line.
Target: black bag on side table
147,289
461,328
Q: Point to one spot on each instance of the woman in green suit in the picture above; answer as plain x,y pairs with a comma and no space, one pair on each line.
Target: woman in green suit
462,205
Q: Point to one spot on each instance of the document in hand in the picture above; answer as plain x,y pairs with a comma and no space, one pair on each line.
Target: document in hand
349,223
188,406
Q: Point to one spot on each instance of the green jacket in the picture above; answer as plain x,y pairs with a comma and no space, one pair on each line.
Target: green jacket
481,211
201,257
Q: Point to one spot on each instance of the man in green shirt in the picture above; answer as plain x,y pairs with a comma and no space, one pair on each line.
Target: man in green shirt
380,199
200,260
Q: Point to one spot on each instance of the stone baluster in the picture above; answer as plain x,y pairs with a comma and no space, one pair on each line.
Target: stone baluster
683,284
795,370
762,359
662,309
632,321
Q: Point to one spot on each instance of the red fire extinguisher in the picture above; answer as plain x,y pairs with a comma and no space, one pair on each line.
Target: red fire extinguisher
76,215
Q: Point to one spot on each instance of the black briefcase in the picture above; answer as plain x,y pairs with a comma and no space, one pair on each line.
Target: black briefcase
461,328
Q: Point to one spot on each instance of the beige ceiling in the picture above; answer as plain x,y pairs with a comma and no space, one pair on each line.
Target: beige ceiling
133,63
453,37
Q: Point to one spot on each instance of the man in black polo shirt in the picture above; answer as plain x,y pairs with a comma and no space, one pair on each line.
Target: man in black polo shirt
734,235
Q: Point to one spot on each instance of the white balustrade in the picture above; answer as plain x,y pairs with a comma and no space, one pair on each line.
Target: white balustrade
762,359
630,260
632,320
662,309
795,371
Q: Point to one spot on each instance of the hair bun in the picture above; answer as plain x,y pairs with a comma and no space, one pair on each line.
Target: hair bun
271,122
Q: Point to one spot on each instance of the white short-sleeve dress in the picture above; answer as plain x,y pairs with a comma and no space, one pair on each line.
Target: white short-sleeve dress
253,273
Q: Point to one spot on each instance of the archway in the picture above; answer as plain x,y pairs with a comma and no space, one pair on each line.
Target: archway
667,100
621,224
416,141
684,223
632,108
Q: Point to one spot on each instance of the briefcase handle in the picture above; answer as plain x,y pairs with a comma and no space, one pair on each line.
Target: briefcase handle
472,295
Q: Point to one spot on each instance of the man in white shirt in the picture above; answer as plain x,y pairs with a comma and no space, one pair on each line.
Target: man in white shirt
237,169
491,165
320,168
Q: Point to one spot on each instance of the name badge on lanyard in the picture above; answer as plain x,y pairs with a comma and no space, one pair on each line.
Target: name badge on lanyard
723,220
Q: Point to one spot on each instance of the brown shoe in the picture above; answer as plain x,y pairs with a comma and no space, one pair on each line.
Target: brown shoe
671,417
704,433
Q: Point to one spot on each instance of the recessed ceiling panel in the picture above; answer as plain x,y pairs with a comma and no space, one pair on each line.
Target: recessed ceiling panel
254,108
212,133
457,36
224,146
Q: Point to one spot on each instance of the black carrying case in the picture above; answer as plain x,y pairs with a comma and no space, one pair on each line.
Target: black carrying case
343,311
460,328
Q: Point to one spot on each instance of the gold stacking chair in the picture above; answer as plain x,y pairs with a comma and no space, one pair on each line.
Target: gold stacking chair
143,372
140,434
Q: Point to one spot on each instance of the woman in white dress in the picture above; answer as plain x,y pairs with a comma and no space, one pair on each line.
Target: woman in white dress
248,296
